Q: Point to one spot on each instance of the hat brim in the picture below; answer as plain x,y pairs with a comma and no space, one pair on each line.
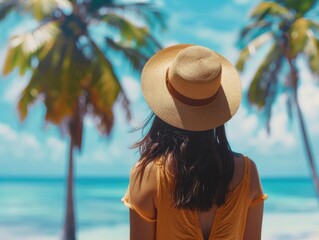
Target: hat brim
178,114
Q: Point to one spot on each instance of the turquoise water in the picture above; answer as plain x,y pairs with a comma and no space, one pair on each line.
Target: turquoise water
37,204
290,195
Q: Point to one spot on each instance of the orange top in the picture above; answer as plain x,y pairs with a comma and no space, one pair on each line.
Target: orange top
173,224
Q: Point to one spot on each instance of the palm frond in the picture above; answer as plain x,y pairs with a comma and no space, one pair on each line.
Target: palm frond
300,7
266,78
298,36
73,1
68,69
263,89
147,11
133,55
128,31
57,79
252,31
43,8
270,9
96,5
106,77
252,48
312,52
23,48
63,73
311,48
104,89
28,96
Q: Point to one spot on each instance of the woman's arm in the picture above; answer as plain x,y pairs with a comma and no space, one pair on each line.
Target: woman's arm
141,229
255,212
254,222
142,203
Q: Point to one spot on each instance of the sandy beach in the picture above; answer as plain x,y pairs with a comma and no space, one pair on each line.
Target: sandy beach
291,226
301,226
115,233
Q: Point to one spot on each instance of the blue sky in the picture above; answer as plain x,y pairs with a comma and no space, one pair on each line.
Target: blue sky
34,148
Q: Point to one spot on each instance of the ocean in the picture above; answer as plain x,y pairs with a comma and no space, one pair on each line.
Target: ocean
33,209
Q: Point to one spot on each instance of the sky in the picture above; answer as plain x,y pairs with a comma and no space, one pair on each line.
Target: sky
34,148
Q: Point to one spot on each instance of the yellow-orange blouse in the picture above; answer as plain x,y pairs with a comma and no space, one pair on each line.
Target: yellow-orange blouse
183,224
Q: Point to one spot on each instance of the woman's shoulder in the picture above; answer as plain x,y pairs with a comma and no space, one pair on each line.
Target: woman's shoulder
143,188
239,169
254,179
143,172
240,162
242,165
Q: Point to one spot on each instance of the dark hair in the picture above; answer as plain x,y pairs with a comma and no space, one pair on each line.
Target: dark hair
202,166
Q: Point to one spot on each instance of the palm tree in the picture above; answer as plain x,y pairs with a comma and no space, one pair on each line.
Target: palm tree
70,73
289,29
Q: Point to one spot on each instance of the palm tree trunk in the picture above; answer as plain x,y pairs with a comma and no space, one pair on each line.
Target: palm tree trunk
307,147
294,85
69,224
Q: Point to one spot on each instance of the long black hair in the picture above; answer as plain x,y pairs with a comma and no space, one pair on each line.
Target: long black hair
202,162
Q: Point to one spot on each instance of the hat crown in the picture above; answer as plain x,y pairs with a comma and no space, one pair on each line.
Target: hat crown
195,72
197,64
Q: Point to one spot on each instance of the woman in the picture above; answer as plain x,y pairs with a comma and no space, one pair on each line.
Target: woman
188,184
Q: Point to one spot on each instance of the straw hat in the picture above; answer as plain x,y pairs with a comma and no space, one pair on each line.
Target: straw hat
191,87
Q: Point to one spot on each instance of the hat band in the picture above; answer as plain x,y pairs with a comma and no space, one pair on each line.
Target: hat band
187,100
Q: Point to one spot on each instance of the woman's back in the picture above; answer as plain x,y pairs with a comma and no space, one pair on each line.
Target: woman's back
206,219
187,183
225,222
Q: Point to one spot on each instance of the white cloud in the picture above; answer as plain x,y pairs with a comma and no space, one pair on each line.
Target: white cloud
222,37
308,95
159,3
309,100
175,20
13,91
89,122
280,138
29,141
227,10
247,133
16,145
7,132
242,2
243,125
99,154
56,149
107,154
132,88
224,40
24,146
